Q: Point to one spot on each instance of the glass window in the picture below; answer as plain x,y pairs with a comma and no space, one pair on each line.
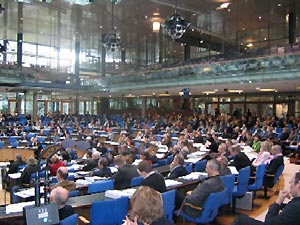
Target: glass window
266,110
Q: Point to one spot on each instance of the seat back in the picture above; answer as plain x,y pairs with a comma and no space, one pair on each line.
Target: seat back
212,205
100,186
200,165
109,212
229,184
243,182
259,178
169,203
136,181
278,173
170,159
70,220
210,208
189,168
74,193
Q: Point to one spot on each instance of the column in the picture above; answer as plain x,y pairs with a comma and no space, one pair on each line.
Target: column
5,30
144,100
20,34
187,52
35,106
103,58
292,24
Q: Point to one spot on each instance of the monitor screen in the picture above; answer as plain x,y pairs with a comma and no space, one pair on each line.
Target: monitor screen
42,215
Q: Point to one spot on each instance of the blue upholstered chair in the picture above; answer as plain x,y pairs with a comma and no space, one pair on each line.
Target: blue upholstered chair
241,187
70,220
169,203
100,186
259,178
275,178
229,184
74,193
209,210
109,212
200,165
136,181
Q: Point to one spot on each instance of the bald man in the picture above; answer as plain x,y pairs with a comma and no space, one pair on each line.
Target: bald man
62,178
60,196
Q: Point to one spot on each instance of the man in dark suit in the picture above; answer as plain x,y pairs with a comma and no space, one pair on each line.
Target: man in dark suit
93,162
273,165
125,173
195,199
151,178
240,159
61,196
279,213
15,165
176,167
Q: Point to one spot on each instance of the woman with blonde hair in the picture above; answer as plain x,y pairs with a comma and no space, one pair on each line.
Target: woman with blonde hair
147,208
264,154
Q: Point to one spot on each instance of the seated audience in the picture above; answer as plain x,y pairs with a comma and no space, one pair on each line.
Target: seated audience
31,167
13,168
195,199
273,164
256,143
125,173
55,164
69,154
60,196
279,213
62,179
92,162
103,170
176,167
224,170
147,208
151,178
264,154
240,159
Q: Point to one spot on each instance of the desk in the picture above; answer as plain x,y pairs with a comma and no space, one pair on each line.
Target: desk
76,202
7,154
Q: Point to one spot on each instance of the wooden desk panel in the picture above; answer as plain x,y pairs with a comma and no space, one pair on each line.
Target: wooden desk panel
7,154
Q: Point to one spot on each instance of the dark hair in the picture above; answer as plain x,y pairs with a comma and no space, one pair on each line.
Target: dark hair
297,177
63,175
103,162
145,166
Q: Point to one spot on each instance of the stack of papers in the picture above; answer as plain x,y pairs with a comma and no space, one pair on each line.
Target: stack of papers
170,183
233,169
119,193
28,192
195,176
94,178
82,182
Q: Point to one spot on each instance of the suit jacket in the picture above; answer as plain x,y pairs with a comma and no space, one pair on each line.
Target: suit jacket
104,172
90,164
65,212
200,194
177,172
289,215
271,168
155,181
124,175
25,176
14,167
240,161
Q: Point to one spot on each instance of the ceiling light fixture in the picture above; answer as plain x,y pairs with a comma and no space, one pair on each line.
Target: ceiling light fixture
175,25
234,91
78,2
267,89
112,41
223,6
